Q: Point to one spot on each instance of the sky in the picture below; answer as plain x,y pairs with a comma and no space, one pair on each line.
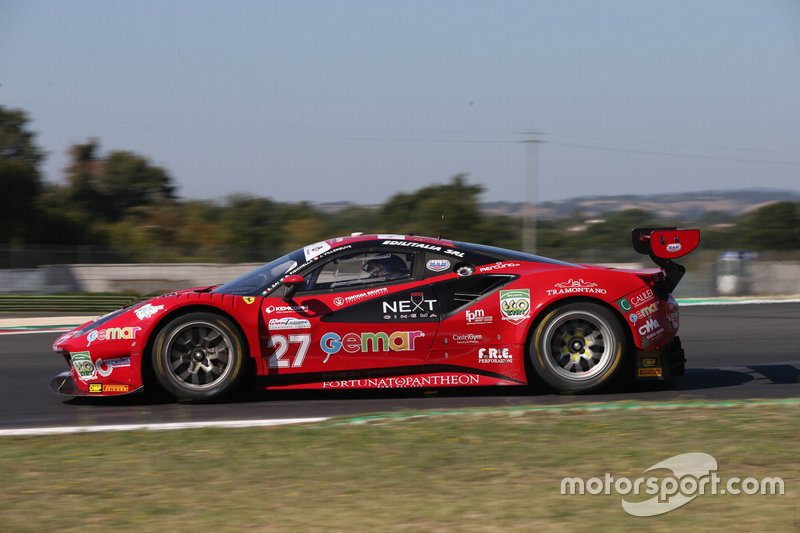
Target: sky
348,100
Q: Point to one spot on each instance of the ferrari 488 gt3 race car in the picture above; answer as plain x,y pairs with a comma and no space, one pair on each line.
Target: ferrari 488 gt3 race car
393,311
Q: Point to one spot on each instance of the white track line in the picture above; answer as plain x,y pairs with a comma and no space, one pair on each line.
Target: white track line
62,430
27,331
737,302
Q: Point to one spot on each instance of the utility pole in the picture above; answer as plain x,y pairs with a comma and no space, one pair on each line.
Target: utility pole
531,142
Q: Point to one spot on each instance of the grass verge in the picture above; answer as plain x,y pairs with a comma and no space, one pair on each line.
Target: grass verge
481,471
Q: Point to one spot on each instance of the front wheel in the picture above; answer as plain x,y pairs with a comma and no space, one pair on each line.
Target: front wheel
578,347
199,357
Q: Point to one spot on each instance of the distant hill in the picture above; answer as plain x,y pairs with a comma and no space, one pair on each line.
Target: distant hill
688,206
682,206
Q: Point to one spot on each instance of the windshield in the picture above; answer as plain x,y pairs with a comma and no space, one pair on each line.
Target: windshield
259,281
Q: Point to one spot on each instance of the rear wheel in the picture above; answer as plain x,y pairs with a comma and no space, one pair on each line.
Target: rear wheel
578,347
199,357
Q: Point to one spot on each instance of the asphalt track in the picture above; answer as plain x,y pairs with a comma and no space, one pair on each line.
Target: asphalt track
733,352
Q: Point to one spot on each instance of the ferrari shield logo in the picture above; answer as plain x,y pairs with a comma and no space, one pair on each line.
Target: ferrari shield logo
515,305
248,299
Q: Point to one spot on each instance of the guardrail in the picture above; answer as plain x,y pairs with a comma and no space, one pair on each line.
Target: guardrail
78,303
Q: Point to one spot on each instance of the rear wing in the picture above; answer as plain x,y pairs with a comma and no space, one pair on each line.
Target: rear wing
665,244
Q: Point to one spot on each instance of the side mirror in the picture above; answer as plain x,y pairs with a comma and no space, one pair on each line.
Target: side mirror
292,283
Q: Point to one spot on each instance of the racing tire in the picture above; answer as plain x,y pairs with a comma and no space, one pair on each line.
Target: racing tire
199,357
578,347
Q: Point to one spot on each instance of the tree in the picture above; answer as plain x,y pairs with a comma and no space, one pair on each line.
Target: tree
421,212
129,180
107,188
20,181
772,227
16,141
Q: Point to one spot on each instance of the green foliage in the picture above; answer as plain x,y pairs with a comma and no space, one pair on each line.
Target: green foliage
772,227
123,201
16,142
449,210
20,182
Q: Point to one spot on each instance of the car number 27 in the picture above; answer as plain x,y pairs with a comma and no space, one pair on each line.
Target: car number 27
280,345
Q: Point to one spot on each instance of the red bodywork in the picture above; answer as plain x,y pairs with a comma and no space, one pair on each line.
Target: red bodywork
366,336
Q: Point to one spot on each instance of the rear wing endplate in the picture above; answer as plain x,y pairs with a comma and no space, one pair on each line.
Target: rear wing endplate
665,244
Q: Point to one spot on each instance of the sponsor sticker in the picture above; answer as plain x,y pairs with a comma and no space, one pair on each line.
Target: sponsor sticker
340,301
649,372
643,313
115,388
497,266
404,382
478,316
147,310
400,341
415,307
112,334
83,365
651,329
572,286
642,298
104,368
286,309
495,355
674,247
289,323
624,304
468,338
437,265
95,388
515,305
313,250
649,362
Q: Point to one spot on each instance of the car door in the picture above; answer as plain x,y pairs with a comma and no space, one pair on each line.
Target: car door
347,318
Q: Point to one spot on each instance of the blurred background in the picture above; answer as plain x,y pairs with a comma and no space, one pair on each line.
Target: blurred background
159,145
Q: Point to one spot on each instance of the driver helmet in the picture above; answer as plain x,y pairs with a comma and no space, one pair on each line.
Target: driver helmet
390,267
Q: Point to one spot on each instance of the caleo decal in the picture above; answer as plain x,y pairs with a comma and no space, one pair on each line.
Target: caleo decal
641,298
399,341
515,305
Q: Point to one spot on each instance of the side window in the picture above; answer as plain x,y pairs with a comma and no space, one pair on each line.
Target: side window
363,268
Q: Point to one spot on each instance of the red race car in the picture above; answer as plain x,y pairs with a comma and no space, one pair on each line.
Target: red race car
393,311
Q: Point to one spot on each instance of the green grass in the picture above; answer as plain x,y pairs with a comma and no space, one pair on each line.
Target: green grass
484,471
